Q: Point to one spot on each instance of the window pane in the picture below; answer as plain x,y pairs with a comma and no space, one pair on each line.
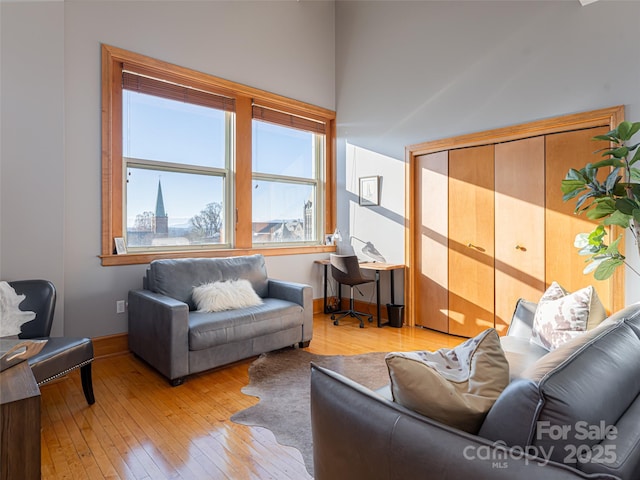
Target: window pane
280,150
167,208
156,128
283,212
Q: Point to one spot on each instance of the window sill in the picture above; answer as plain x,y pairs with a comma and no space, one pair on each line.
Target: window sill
143,258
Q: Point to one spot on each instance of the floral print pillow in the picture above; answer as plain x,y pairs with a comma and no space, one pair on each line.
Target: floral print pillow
561,316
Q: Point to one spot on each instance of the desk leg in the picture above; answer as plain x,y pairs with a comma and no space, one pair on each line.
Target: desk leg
392,287
378,297
324,305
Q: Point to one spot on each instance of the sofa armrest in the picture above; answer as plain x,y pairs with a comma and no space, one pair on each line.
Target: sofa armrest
522,319
297,293
159,331
359,435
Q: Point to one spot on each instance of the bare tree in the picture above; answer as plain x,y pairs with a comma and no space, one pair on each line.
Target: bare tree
208,222
145,222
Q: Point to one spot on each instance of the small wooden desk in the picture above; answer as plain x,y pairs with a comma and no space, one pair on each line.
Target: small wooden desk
377,267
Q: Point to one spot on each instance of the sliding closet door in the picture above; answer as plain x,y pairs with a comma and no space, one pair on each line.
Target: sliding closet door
471,239
431,242
563,264
519,212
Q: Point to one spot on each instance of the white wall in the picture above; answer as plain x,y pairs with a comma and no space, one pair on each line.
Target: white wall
397,73
410,72
32,183
51,142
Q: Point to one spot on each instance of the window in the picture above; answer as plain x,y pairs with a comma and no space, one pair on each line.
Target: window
194,165
287,178
177,156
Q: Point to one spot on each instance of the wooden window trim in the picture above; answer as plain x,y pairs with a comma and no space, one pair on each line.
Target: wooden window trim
114,60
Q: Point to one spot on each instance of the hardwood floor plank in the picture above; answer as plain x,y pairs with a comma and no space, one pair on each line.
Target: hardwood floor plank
141,428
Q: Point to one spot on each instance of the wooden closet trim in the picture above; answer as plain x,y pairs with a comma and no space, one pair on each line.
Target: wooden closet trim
609,117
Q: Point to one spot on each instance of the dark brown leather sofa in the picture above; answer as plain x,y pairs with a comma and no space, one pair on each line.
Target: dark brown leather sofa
572,413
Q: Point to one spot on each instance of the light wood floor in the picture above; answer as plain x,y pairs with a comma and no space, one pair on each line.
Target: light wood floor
141,428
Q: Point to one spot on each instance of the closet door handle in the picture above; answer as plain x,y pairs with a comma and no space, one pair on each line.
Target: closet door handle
475,247
521,248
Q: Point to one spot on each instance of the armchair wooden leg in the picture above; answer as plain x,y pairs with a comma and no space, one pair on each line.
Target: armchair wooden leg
87,384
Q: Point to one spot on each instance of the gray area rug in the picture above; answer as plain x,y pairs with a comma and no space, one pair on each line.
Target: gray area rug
281,380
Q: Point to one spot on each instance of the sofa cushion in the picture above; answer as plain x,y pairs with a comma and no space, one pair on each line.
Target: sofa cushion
587,382
227,295
521,354
177,277
522,320
560,315
209,329
454,386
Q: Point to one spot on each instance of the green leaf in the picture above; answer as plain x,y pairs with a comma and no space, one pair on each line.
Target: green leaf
572,185
620,152
606,138
605,163
593,264
574,174
635,158
578,208
603,208
619,190
613,248
626,205
635,128
635,175
612,179
596,237
606,268
636,215
623,130
618,218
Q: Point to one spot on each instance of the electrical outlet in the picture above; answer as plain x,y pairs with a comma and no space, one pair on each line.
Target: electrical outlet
120,306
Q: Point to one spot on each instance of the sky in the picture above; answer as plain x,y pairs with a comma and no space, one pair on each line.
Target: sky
165,130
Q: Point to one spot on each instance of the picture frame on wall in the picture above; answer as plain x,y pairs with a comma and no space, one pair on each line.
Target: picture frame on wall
369,194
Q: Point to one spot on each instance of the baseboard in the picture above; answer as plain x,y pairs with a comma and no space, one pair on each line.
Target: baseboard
110,345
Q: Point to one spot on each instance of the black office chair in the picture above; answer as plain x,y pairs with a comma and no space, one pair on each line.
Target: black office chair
60,355
346,271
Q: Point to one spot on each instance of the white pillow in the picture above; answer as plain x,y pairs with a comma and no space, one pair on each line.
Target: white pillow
11,317
454,386
561,316
229,295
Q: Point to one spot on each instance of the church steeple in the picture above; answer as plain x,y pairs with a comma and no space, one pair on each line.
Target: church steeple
162,220
160,202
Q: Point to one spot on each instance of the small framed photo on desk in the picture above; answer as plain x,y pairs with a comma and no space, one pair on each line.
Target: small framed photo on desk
369,190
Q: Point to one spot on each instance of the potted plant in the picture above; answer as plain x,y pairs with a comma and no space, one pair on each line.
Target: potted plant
613,200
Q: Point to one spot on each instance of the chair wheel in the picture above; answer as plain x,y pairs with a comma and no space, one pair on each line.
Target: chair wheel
361,325
335,322
333,317
370,319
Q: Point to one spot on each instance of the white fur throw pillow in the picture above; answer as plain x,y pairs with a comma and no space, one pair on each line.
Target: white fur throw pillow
220,296
11,317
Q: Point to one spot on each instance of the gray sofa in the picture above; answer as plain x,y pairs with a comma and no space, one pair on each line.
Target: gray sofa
167,331
570,413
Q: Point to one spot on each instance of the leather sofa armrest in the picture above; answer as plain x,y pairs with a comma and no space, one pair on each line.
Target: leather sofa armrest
299,293
359,435
159,331
522,320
